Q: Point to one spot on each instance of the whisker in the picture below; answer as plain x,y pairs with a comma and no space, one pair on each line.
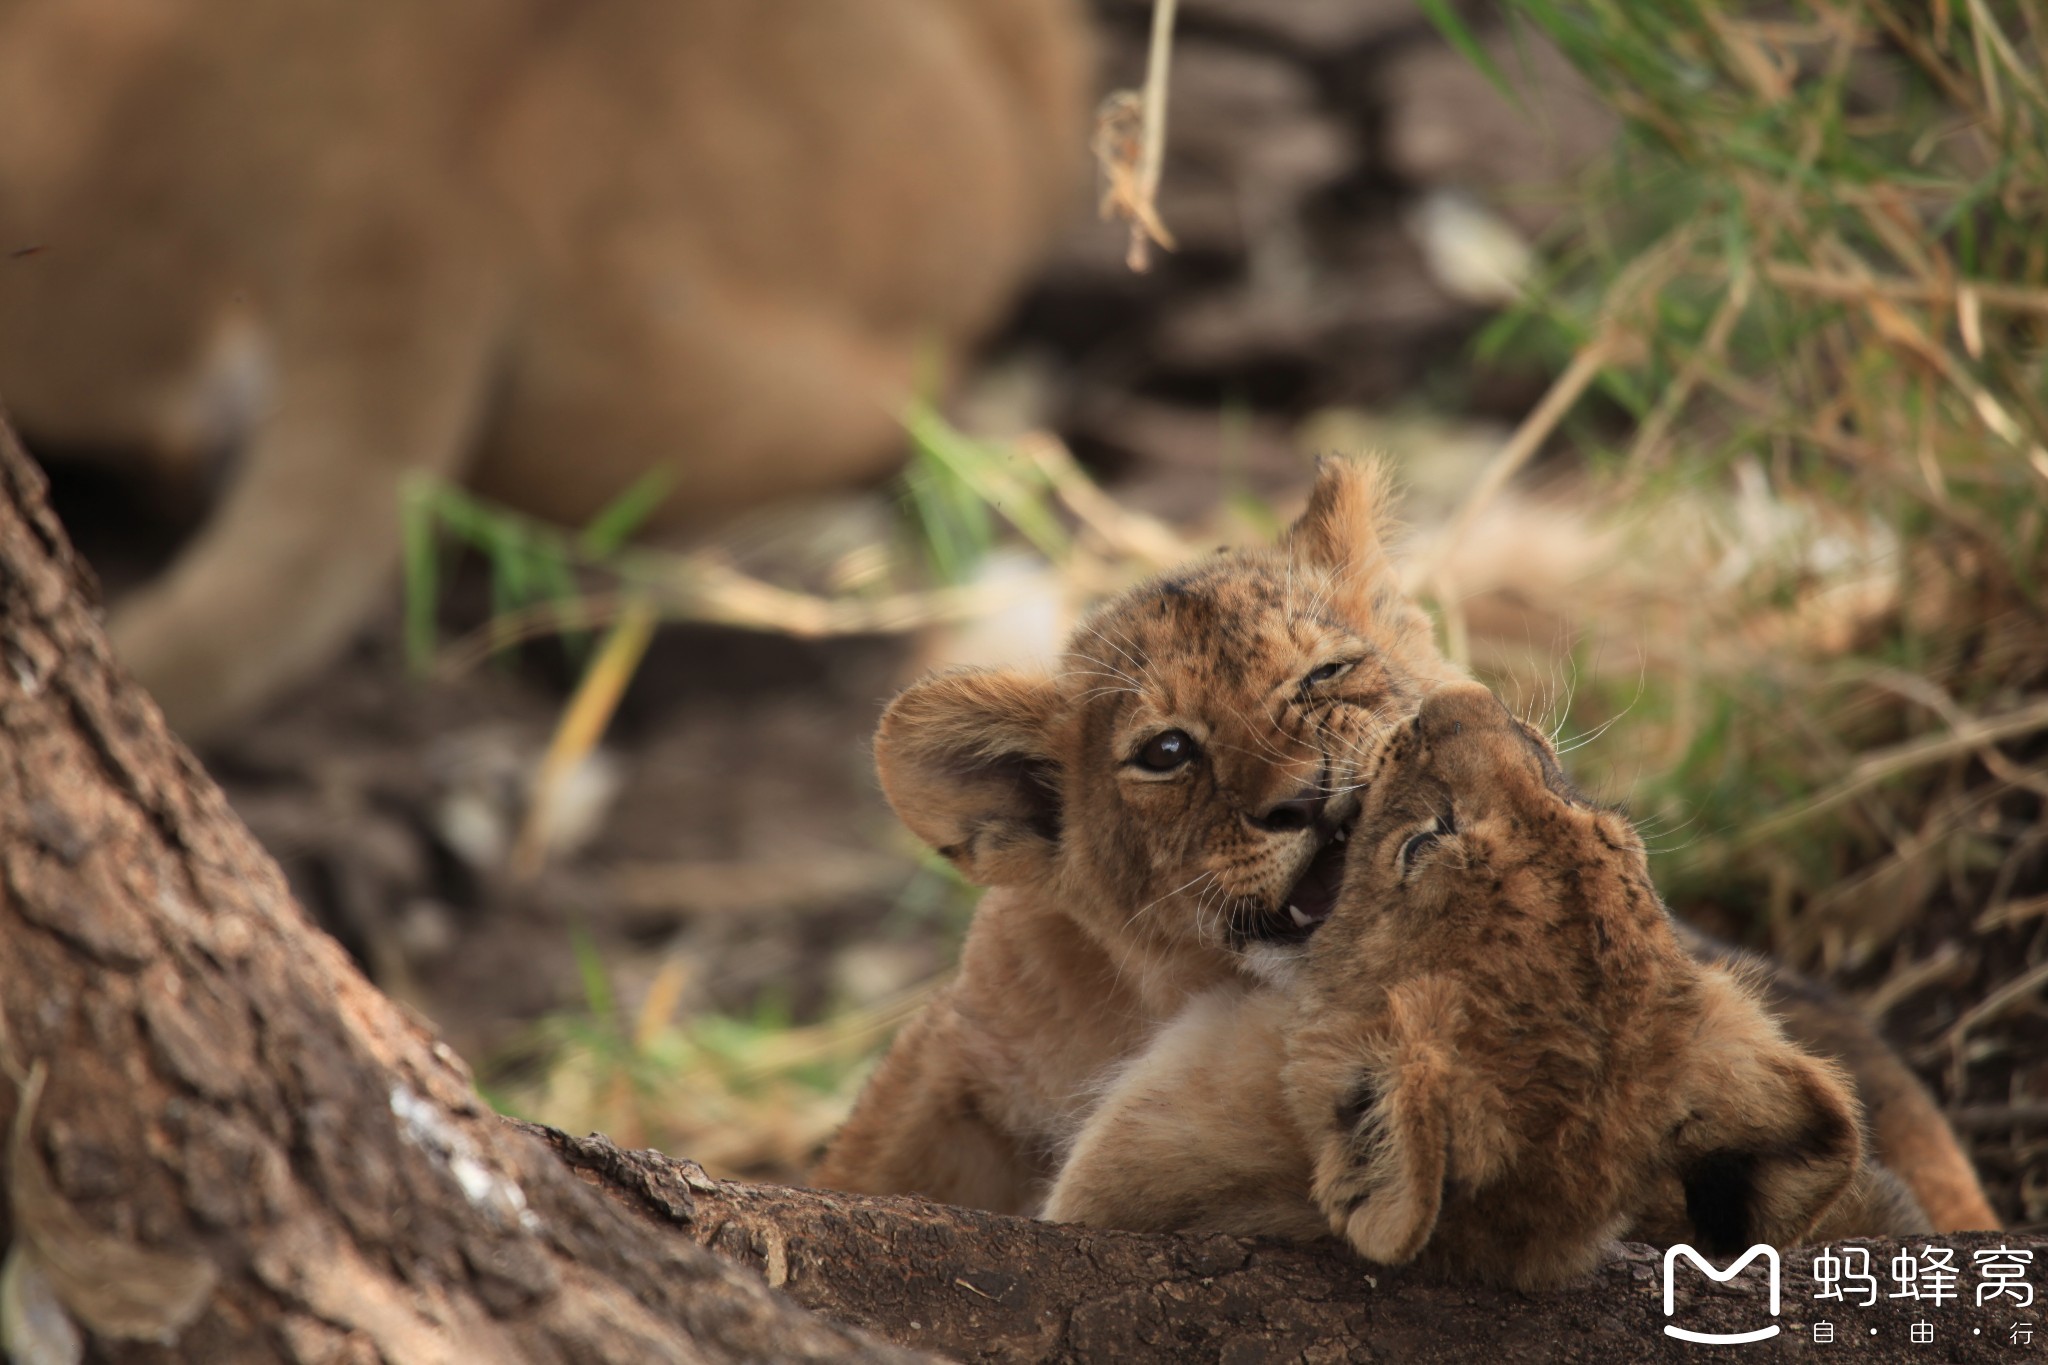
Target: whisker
1642,684
1113,670
1165,896
1116,639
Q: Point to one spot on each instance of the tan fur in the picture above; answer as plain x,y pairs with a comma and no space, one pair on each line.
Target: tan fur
1108,893
1117,894
1906,1125
1497,1054
545,246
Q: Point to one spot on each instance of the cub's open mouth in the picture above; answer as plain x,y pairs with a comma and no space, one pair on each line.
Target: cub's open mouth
1310,900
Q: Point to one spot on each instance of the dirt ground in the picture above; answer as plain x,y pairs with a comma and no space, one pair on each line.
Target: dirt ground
732,822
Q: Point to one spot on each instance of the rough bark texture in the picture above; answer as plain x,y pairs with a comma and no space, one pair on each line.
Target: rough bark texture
982,1287
224,1144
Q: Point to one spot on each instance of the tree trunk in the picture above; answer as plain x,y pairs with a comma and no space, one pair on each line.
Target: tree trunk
222,1144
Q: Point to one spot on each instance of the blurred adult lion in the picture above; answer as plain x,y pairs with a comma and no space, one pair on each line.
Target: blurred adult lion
541,245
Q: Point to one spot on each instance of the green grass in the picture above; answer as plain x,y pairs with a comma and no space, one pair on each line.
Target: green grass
530,562
1818,252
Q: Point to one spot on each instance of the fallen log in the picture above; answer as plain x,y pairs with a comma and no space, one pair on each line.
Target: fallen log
977,1286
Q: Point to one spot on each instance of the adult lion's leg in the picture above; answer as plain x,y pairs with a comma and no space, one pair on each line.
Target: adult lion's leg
920,1128
381,371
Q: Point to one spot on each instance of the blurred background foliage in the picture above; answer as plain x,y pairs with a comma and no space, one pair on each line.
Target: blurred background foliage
1814,278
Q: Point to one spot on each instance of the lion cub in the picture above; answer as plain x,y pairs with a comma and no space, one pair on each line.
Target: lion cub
1160,814
1497,1055
1165,816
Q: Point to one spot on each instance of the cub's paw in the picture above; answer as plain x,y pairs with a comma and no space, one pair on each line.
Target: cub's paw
1380,1172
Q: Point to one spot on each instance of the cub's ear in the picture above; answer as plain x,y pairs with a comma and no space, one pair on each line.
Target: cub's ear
1343,530
966,761
1775,1134
1342,536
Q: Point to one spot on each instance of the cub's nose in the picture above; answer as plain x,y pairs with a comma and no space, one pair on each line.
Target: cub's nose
1297,813
1458,707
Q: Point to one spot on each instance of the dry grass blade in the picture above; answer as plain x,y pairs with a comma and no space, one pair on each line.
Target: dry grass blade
671,981
1991,1118
581,726
1124,533
2018,991
1968,738
2008,913
1130,146
1434,568
1653,437
721,595
845,1036
707,591
1947,967
1977,294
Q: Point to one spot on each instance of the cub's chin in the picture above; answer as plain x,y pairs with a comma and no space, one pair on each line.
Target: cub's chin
1273,964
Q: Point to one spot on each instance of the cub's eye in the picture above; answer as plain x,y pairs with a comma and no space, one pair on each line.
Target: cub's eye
1327,672
1166,751
1420,841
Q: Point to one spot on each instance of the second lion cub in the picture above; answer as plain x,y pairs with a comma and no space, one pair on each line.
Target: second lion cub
1496,1055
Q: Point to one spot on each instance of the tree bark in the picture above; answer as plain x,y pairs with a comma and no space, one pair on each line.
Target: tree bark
222,1144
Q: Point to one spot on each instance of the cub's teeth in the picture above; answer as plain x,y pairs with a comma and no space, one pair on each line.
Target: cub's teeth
1343,836
1301,921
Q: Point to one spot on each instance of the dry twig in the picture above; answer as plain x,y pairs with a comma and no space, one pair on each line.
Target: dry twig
1130,146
